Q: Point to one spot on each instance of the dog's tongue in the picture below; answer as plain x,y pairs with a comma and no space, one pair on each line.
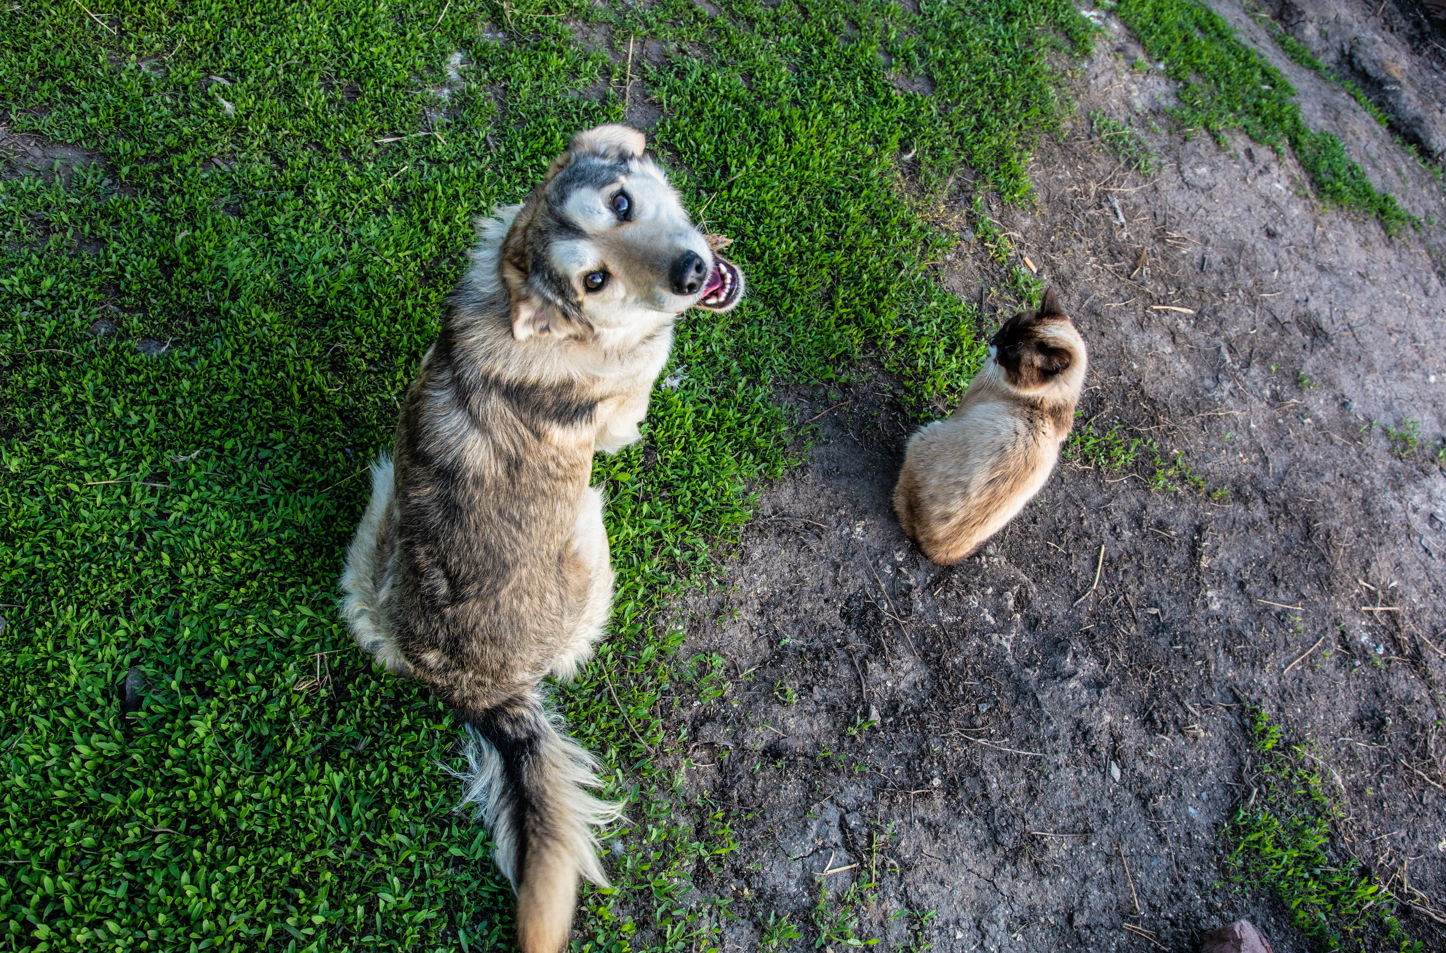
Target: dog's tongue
716,243
715,281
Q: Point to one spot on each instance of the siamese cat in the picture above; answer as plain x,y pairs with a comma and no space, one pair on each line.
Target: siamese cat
964,478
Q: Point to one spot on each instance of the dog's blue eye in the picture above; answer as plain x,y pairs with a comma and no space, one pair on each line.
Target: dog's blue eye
622,205
595,280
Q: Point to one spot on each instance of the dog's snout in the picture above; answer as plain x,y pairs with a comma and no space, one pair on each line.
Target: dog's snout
688,273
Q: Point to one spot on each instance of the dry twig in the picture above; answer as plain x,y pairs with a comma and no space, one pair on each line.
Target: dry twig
1098,567
97,19
1303,657
990,744
1145,935
623,711
1129,877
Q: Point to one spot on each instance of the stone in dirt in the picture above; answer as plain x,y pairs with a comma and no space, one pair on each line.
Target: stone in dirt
1237,937
150,347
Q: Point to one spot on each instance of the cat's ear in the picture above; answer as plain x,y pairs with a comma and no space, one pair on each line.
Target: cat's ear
1049,307
1052,360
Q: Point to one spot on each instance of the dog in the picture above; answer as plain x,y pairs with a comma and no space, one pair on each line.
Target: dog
481,565
964,478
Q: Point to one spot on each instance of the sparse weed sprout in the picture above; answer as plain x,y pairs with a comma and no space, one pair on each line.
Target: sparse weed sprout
778,933
861,724
1115,450
1173,474
1112,450
1125,143
1405,440
1025,286
709,673
916,943
988,232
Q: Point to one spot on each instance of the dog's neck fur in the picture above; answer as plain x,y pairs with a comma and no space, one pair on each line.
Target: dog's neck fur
480,320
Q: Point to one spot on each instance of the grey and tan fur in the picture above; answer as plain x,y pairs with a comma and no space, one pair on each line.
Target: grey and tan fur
481,565
964,478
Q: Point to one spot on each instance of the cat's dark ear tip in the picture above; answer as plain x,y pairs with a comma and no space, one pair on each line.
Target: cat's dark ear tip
1049,307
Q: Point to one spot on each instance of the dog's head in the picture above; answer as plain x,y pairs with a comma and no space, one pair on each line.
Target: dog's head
604,242
1035,348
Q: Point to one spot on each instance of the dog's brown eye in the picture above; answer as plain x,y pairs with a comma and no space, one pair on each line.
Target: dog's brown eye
622,205
595,280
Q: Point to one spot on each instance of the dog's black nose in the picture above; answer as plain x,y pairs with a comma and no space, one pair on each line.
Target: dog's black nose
687,274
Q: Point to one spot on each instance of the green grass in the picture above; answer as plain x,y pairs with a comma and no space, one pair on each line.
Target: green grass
186,514
836,918
1282,842
1225,85
778,933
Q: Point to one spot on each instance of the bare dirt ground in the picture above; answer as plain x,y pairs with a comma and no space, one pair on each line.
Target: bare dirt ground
1037,734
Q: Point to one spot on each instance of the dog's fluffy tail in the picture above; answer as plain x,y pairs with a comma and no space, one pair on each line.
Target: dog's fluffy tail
527,780
365,579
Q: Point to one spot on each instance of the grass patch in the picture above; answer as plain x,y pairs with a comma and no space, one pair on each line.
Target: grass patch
1121,450
779,932
1301,55
1113,450
1225,85
1282,843
281,197
1127,145
836,917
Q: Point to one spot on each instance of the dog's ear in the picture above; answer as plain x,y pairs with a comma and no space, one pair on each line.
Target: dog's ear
537,314
1049,307
532,316
611,142
533,313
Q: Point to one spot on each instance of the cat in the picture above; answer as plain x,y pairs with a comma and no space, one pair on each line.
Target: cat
967,476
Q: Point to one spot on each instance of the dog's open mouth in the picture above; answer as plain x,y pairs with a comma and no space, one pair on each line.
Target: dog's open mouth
724,288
